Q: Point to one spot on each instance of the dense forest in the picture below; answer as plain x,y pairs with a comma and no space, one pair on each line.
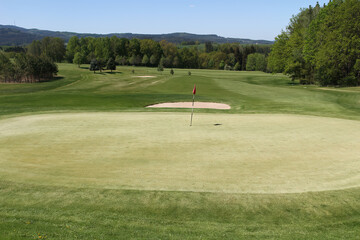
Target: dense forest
321,45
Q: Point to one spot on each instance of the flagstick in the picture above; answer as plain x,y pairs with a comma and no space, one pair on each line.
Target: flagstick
192,111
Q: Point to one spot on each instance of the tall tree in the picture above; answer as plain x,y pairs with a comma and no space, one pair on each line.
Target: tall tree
145,61
94,65
72,47
79,59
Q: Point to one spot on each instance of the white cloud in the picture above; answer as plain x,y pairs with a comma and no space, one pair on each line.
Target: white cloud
192,5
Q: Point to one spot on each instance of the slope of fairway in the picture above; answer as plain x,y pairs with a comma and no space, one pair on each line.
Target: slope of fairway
78,89
159,151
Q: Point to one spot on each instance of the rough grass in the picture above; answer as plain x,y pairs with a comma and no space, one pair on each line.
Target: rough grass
45,196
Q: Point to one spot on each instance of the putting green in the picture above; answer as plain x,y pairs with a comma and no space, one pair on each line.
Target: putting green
159,151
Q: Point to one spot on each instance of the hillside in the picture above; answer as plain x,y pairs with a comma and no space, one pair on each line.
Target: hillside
13,35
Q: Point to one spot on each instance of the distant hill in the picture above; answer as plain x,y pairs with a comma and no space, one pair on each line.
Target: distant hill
13,35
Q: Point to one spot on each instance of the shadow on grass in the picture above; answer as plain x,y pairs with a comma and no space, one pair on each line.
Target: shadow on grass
106,73
113,72
293,83
56,78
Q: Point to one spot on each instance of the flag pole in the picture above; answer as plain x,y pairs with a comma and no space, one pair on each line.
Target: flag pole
192,111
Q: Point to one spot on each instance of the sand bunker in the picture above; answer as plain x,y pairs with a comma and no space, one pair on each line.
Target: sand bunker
145,76
208,105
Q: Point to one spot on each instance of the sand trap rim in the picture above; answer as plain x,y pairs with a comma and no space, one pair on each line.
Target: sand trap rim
198,105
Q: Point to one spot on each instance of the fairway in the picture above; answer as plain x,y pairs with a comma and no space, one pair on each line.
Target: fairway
263,153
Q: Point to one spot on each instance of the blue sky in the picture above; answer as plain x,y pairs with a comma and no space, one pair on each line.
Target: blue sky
258,19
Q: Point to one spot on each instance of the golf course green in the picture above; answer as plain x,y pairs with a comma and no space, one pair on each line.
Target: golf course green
81,157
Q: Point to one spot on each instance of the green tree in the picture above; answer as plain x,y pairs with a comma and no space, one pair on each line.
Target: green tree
121,60
72,47
135,60
170,52
222,65
160,68
57,49
94,65
6,68
208,47
34,48
256,62
334,40
110,65
357,69
154,60
134,47
279,54
145,61
79,59
237,66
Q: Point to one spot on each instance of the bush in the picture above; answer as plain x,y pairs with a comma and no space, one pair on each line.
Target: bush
349,81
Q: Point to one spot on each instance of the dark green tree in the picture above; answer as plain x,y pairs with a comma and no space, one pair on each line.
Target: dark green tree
160,68
110,65
208,47
94,65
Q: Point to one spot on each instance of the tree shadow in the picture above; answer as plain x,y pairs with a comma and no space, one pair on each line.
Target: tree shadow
113,72
56,78
293,83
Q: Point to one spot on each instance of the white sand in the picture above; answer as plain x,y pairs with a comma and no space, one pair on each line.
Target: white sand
209,105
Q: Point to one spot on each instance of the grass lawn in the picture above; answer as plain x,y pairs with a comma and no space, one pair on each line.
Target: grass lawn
82,158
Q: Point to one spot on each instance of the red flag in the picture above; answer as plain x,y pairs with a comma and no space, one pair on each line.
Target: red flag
194,90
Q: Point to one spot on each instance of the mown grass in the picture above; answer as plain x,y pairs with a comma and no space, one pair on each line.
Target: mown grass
263,153
246,92
84,213
31,211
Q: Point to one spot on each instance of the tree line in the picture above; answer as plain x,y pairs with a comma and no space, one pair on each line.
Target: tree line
321,45
36,62
147,52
